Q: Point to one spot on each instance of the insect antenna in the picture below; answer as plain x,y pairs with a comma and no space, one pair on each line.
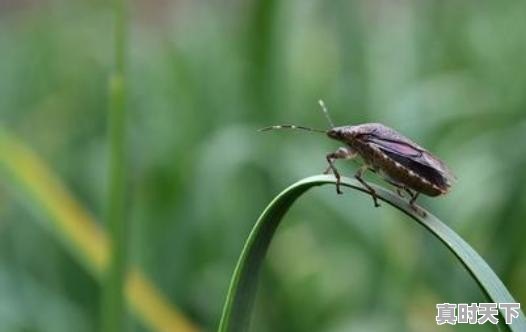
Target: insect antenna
326,112
289,126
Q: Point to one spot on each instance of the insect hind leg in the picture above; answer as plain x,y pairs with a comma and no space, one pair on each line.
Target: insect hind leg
358,177
413,195
400,188
341,153
414,207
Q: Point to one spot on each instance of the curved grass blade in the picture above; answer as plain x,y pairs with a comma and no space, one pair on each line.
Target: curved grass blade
240,297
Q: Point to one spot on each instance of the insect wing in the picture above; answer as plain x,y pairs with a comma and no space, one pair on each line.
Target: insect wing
394,146
404,149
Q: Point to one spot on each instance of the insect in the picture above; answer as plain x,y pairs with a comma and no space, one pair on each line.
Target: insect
398,160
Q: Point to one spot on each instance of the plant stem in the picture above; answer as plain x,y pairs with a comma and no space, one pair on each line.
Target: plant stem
113,312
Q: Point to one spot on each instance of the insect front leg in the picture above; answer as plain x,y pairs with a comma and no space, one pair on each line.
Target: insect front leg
341,153
358,177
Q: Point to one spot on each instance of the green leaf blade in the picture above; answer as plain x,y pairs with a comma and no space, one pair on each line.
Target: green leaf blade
238,305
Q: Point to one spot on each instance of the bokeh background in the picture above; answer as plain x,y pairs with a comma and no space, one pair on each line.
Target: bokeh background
202,76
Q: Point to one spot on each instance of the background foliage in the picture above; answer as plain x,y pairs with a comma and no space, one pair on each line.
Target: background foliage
203,75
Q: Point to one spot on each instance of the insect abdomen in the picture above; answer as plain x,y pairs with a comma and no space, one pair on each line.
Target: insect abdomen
417,177
411,178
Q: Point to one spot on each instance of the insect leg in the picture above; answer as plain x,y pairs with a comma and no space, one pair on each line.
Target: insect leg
341,153
399,187
413,198
414,207
358,177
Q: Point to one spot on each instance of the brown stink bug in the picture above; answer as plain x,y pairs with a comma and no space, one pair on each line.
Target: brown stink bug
397,159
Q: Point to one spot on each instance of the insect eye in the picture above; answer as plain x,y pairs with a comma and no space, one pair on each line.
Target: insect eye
332,133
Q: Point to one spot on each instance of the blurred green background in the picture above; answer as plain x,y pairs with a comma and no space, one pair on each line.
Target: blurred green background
202,77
